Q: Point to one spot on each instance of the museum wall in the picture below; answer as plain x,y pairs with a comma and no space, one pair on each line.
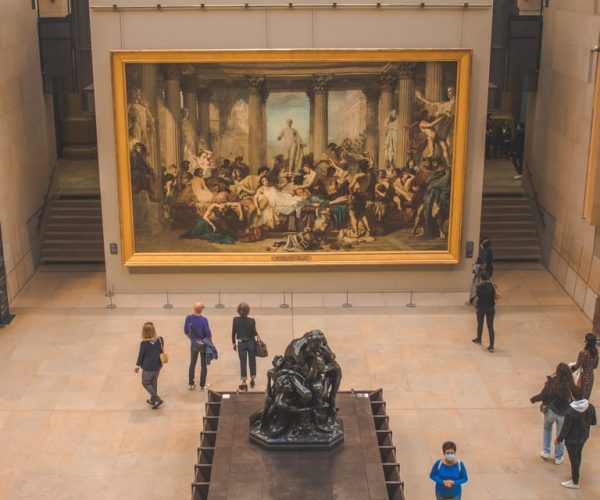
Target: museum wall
27,150
559,124
290,28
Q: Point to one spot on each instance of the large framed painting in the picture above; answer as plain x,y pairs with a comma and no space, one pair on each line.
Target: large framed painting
291,157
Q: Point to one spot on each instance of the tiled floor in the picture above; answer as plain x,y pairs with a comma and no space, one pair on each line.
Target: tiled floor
74,424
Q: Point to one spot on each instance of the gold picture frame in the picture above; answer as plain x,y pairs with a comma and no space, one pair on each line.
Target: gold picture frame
251,60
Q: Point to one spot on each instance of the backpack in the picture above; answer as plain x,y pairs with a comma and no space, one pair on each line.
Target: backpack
440,465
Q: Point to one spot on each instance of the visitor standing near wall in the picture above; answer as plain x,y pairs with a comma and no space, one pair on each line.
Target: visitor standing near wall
518,150
243,337
575,432
197,330
149,361
555,398
486,308
484,262
449,474
587,361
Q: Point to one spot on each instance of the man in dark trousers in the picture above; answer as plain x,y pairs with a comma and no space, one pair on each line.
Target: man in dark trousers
575,432
518,149
197,330
486,302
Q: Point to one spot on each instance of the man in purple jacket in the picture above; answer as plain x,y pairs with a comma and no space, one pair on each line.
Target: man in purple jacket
197,330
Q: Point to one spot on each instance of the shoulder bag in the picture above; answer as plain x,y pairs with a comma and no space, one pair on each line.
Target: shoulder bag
261,347
164,357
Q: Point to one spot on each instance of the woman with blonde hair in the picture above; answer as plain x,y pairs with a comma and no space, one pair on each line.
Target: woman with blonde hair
149,361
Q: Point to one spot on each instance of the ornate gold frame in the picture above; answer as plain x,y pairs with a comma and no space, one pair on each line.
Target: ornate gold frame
131,258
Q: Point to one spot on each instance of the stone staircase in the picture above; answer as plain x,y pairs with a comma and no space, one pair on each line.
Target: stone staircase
73,231
507,219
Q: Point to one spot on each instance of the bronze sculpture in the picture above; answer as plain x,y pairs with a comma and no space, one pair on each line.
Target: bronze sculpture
299,410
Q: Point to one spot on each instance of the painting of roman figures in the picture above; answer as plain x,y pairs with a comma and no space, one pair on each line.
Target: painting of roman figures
291,157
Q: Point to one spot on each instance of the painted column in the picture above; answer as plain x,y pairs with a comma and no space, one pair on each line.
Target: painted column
255,86
386,82
320,122
433,82
406,99
173,103
372,142
262,144
149,97
311,121
204,94
189,99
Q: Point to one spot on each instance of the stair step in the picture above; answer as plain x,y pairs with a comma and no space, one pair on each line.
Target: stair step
70,259
73,245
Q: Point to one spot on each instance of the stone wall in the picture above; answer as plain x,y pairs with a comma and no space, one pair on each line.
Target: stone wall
26,140
558,140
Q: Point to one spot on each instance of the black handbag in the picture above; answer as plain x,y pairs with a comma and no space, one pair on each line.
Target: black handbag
261,348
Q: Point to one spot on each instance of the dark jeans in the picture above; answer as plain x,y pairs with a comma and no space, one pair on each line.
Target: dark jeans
150,383
488,313
518,163
574,450
247,350
193,359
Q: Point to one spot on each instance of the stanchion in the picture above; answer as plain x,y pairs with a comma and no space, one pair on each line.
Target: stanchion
168,305
110,294
411,303
284,304
347,303
220,305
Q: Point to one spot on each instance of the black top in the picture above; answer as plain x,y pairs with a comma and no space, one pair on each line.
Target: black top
486,295
244,328
149,356
576,427
557,404
486,260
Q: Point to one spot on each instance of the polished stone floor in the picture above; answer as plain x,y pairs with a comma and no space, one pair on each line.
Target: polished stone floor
74,423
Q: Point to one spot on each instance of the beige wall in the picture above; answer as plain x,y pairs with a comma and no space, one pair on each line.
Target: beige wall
260,29
558,139
26,140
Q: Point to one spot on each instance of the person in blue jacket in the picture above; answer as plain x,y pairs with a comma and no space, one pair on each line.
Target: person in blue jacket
449,474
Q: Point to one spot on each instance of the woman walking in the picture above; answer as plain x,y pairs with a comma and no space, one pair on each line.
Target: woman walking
149,361
243,337
449,474
575,432
555,398
588,362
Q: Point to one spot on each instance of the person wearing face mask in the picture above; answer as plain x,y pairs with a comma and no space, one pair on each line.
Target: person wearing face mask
449,474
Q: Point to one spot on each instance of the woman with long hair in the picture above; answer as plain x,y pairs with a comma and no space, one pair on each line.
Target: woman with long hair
587,361
149,361
555,398
243,337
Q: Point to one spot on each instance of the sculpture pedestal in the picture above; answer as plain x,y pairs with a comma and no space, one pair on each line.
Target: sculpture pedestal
230,467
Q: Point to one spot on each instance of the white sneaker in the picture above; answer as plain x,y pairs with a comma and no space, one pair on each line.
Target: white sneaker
517,177
545,455
205,387
191,387
559,461
570,484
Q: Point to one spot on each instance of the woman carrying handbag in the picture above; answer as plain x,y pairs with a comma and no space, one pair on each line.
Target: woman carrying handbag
151,358
243,337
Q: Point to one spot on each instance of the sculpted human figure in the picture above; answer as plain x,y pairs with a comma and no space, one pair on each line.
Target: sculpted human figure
140,119
293,146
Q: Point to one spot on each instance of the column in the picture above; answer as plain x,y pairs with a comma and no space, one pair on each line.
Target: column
311,120
255,85
173,103
320,110
188,86
204,94
386,83
372,144
262,141
433,82
150,96
406,99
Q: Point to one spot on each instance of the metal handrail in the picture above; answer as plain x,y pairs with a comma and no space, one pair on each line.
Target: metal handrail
46,197
534,194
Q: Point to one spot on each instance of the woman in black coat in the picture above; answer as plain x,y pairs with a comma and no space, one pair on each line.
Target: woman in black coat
149,361
243,337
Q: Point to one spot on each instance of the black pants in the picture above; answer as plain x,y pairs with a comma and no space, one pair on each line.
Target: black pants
247,350
193,358
574,450
488,313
